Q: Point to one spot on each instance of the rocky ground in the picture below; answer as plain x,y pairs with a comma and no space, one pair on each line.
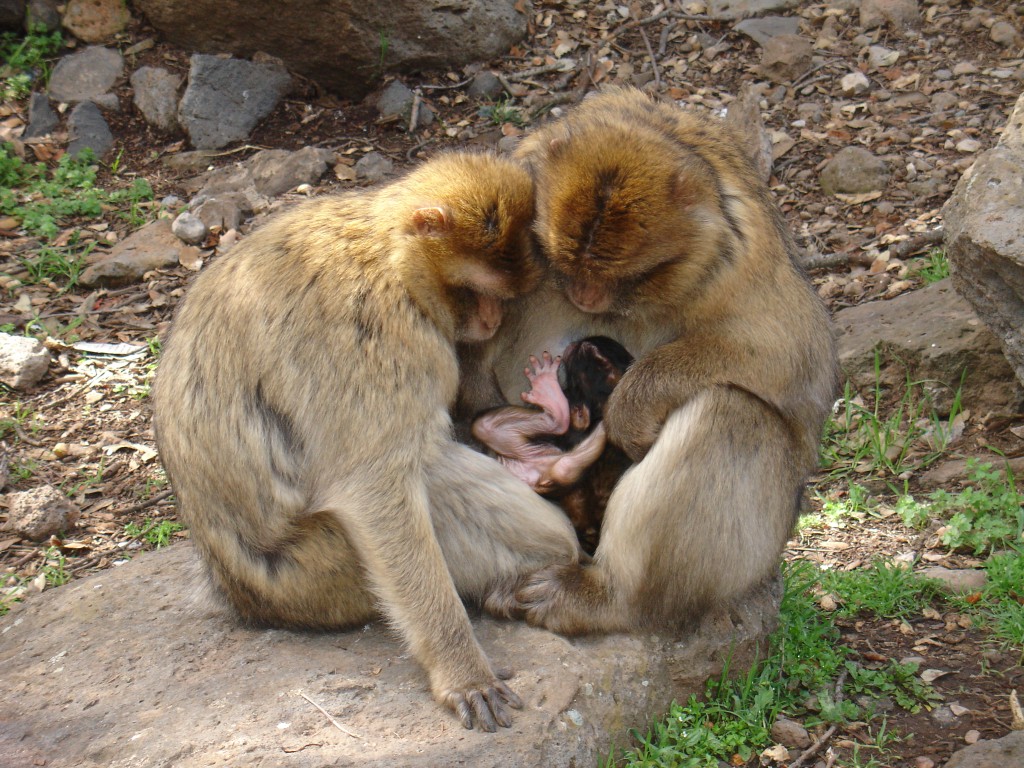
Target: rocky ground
868,128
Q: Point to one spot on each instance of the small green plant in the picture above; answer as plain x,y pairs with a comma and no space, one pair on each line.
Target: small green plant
986,514
21,418
933,267
55,568
884,589
502,112
863,439
158,533
87,480
913,513
64,264
26,61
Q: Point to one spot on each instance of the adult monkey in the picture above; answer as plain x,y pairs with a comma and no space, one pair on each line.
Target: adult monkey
660,235
302,413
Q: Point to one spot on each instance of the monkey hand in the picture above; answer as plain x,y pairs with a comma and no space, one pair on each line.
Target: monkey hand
559,598
484,702
633,419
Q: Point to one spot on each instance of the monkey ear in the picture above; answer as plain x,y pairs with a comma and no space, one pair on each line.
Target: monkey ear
431,222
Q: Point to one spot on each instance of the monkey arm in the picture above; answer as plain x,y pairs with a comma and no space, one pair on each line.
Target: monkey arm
567,469
664,380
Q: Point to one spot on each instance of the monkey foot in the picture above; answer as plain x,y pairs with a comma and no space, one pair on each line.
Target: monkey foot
485,704
568,599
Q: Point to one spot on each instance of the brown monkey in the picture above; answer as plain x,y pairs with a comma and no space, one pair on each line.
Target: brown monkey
302,413
660,234
561,449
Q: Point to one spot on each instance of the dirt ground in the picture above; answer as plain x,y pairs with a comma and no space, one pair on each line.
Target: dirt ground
89,430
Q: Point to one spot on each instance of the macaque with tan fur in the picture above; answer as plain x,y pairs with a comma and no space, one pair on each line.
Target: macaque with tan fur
561,449
302,413
661,235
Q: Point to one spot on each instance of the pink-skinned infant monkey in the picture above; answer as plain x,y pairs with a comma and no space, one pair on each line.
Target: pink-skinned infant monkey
561,450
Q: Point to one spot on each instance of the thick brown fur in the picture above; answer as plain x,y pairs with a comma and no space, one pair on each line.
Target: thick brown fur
660,235
302,413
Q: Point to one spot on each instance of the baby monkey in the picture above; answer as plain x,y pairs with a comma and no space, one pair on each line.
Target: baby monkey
562,449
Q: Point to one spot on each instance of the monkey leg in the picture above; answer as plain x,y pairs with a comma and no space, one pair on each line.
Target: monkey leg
701,520
491,527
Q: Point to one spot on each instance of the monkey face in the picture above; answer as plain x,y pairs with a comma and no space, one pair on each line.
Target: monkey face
626,214
476,242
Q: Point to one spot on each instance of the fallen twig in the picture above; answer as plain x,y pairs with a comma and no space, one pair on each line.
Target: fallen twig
150,502
680,15
808,754
334,722
654,59
906,247
830,260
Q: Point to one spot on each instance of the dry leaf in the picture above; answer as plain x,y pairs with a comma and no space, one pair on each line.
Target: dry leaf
931,675
1016,712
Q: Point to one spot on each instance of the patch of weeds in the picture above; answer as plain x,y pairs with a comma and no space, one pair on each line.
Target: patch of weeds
157,533
986,514
44,199
933,267
59,264
23,470
55,568
863,439
838,507
885,589
26,61
732,723
503,112
1000,604
154,484
88,479
21,418
913,513
896,681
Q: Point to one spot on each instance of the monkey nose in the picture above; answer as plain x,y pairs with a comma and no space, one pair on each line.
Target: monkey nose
589,296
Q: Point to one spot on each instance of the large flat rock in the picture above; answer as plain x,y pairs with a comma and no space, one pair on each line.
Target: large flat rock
130,667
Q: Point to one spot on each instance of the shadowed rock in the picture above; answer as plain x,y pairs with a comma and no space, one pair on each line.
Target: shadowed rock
123,668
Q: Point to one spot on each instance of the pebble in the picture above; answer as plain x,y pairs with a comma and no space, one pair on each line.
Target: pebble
1003,33
790,734
965,68
85,76
373,166
40,513
879,57
968,145
23,361
189,227
88,130
854,84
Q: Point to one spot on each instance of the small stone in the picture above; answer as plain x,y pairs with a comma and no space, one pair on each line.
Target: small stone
854,84
785,58
23,361
879,57
40,513
275,171
972,736
944,716
88,130
897,14
152,247
965,68
373,166
86,75
760,30
854,170
922,762
41,117
485,85
94,21
790,733
395,100
223,212
43,13
155,95
226,98
944,100
968,145
1003,33
189,227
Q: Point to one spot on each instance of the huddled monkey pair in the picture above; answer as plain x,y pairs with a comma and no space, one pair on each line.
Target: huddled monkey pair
305,402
